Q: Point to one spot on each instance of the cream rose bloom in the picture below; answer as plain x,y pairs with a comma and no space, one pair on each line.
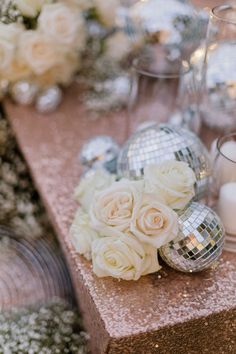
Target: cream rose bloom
173,181
30,8
107,10
9,34
123,257
39,52
112,209
81,4
7,51
94,181
63,23
61,73
82,235
153,222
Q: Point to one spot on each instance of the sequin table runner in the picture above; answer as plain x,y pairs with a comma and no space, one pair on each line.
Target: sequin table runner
154,315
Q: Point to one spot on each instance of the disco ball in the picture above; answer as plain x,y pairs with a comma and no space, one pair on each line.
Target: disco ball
100,152
162,143
200,240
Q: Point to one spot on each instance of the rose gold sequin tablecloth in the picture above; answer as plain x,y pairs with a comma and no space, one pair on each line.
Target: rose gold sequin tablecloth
175,314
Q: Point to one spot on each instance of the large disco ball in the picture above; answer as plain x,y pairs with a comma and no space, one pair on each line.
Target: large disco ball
200,240
161,143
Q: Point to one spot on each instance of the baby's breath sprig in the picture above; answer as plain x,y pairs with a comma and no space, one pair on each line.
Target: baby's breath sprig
51,329
9,12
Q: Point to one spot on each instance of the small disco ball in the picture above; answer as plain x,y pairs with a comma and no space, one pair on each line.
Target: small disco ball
164,142
100,152
200,240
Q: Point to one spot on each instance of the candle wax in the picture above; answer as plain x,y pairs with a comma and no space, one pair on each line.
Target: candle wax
227,207
225,167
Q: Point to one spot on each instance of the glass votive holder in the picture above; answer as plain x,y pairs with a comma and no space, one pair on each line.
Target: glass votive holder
224,186
161,93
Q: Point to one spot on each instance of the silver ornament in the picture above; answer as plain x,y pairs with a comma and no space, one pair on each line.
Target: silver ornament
200,240
49,100
145,125
162,143
24,92
101,151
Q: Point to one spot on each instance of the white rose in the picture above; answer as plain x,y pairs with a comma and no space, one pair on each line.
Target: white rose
7,51
82,235
39,52
94,181
81,4
123,257
112,209
63,23
9,34
62,73
107,11
173,181
17,70
30,8
154,222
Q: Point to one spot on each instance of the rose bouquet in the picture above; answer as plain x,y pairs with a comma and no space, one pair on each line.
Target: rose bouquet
121,224
40,44
44,43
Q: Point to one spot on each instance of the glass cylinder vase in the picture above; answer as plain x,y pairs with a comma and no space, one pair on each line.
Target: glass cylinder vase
218,103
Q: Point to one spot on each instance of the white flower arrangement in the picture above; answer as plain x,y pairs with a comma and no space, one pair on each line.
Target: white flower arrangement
120,225
45,43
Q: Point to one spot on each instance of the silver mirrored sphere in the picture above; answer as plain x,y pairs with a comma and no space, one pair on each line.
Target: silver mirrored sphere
24,92
200,240
164,142
49,100
100,151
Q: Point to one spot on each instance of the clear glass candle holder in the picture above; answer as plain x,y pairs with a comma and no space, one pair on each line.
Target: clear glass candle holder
159,95
218,104
224,185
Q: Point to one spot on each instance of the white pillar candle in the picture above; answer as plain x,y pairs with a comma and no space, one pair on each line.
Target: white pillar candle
226,163
227,207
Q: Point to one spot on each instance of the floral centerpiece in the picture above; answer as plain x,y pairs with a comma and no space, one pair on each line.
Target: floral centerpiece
44,43
121,224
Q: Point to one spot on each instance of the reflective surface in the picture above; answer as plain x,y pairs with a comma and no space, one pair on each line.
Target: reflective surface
100,151
161,143
200,240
